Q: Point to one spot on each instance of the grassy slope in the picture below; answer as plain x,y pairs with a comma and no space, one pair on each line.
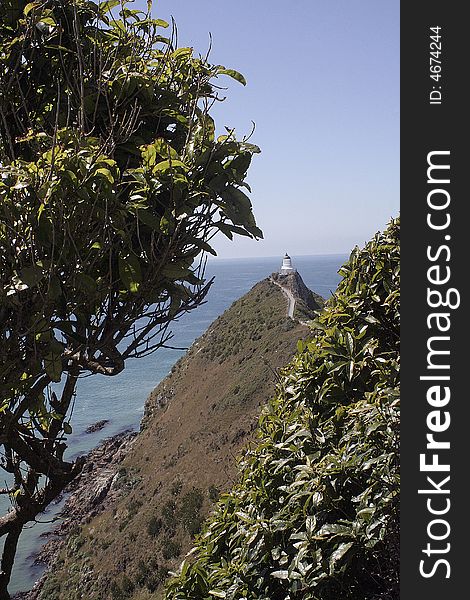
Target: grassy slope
196,421
314,513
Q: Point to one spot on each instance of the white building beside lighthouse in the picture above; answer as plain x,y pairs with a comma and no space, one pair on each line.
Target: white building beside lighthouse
286,266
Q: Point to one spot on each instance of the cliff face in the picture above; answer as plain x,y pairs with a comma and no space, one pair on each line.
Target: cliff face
306,300
195,423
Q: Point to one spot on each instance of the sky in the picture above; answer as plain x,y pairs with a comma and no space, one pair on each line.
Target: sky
323,90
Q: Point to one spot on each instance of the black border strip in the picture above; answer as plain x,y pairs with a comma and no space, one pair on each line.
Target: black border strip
435,242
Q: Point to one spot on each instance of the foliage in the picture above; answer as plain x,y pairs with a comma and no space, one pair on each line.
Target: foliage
213,490
315,513
154,526
189,511
150,575
170,548
112,184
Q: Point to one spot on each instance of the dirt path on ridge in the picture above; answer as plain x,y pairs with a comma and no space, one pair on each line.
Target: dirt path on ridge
290,299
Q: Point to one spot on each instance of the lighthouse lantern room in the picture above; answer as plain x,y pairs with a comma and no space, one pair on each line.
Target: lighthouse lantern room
286,267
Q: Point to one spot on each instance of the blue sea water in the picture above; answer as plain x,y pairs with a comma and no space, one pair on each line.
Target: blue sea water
121,399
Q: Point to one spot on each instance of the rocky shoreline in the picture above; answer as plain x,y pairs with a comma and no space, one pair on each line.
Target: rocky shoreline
98,426
88,495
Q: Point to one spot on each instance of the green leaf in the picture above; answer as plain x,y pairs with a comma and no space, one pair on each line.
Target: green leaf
334,529
108,5
219,182
175,271
203,245
165,150
237,207
167,224
232,73
130,272
29,7
148,218
225,229
31,276
239,230
53,365
169,165
255,231
46,21
239,165
85,283
366,513
182,52
339,554
149,154
253,148
159,23
282,574
106,173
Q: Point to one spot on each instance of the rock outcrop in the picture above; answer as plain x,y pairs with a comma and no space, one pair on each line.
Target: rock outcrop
98,485
294,282
98,426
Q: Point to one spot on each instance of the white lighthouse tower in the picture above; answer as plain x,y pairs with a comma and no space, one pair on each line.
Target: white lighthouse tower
286,267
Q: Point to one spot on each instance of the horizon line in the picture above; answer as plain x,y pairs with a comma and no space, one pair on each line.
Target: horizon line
276,256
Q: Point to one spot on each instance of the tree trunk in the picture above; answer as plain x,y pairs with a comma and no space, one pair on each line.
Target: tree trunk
8,558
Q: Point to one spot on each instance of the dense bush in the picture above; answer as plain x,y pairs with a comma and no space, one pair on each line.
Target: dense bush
315,512
189,512
154,526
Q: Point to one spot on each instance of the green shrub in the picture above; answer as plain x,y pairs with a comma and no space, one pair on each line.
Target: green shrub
189,511
168,514
170,549
150,575
133,507
154,526
213,493
315,513
127,585
116,592
176,487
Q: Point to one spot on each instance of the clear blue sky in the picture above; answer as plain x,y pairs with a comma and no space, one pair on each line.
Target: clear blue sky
323,90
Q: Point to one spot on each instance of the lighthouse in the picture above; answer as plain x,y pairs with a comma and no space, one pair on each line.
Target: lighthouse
286,266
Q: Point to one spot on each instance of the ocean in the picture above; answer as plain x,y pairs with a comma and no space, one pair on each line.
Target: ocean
121,399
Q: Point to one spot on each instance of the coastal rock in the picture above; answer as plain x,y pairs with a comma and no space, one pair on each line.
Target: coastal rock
98,426
90,493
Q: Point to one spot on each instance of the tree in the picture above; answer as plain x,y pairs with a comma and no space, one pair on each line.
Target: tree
112,186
